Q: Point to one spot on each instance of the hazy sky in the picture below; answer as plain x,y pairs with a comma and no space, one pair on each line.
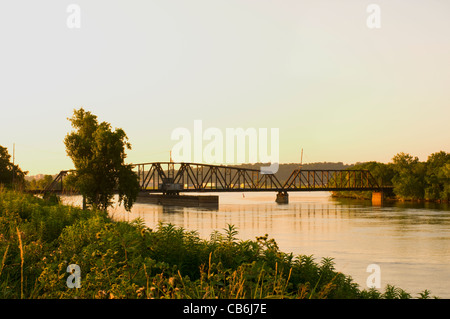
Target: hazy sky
313,69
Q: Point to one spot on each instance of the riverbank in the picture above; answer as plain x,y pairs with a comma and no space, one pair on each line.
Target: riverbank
367,195
40,239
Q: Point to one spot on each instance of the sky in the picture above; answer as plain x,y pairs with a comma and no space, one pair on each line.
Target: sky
339,90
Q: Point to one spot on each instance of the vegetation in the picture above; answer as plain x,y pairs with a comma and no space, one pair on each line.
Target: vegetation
98,154
410,178
38,183
9,173
40,239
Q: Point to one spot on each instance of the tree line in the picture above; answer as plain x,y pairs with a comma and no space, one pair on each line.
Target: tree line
411,179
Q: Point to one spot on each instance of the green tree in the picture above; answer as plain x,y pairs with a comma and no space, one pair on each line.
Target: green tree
409,180
44,182
10,173
41,183
98,154
383,173
436,178
444,175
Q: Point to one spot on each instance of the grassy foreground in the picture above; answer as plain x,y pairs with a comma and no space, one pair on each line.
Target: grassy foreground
39,239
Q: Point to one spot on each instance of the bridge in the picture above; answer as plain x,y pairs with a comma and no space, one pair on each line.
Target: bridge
170,178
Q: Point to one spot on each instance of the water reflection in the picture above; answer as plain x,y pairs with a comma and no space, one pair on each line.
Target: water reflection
411,242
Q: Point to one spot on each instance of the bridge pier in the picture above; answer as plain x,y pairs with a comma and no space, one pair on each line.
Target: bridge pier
282,198
207,201
377,198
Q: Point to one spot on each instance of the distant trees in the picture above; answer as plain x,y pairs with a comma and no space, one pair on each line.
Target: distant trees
411,179
437,178
9,173
40,183
422,180
383,174
98,154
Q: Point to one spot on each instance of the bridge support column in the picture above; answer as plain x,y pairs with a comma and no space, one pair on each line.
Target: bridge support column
282,198
377,198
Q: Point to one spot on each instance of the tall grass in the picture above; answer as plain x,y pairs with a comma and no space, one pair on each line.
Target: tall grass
39,239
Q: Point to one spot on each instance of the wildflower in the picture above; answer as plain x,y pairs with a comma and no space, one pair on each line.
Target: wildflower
140,292
100,294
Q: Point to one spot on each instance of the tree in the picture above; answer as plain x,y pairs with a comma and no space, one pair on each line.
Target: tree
409,180
436,176
10,173
39,183
382,173
444,175
98,154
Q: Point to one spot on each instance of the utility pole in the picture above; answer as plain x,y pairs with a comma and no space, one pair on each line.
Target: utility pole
14,166
301,160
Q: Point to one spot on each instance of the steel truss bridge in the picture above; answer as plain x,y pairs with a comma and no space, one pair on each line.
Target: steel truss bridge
175,178
169,177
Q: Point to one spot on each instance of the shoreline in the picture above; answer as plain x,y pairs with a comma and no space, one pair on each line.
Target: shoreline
392,199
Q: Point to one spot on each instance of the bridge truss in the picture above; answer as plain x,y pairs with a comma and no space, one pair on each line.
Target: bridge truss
169,177
175,178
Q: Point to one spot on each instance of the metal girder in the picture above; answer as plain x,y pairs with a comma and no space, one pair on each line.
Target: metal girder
331,179
205,177
58,180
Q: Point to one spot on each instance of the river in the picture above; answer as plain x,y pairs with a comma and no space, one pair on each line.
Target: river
410,242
